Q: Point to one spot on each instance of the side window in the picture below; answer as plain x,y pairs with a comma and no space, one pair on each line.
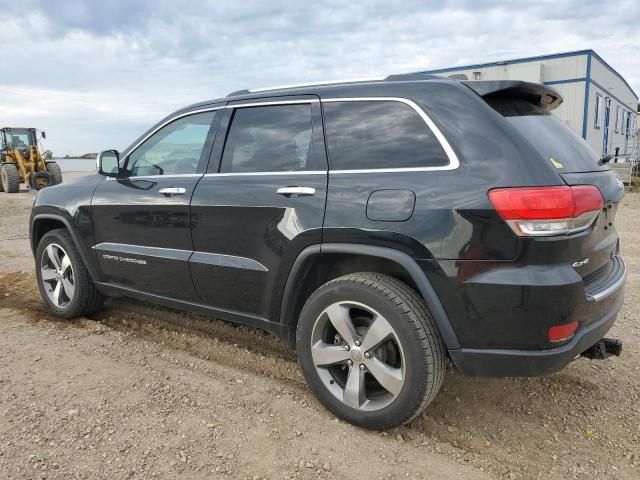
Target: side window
174,149
274,138
379,134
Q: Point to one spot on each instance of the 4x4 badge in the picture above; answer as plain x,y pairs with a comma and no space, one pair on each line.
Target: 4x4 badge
580,263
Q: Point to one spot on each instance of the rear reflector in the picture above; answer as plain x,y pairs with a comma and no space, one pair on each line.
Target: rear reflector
561,333
544,211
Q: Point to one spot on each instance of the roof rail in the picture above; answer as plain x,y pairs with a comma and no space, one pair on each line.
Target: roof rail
306,84
406,77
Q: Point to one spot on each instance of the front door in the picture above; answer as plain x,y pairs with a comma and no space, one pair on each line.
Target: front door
261,202
142,222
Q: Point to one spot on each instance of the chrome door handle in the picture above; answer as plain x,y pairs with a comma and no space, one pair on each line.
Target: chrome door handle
171,191
296,191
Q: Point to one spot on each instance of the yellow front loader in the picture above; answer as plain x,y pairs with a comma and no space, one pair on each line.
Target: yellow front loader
22,162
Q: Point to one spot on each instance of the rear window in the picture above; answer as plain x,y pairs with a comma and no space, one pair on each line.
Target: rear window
379,134
557,143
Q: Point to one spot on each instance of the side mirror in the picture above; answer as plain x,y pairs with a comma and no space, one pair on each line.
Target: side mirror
108,163
43,134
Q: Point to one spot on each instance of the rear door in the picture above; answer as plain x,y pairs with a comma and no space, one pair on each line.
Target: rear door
261,202
142,220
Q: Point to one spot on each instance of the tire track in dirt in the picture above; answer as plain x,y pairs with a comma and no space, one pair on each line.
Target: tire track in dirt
207,338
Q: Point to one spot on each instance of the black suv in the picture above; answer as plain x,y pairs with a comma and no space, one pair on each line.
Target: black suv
379,227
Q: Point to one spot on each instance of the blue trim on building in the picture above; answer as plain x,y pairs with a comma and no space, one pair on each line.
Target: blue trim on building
609,94
576,53
569,80
585,114
509,62
612,70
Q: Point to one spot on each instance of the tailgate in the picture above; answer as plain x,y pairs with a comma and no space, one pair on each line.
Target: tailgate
599,244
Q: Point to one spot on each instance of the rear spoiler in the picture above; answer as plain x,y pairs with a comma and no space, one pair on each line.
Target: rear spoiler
535,93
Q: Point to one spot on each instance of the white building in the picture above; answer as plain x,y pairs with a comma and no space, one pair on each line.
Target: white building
598,102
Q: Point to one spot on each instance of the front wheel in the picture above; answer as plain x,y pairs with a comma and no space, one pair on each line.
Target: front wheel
370,350
63,280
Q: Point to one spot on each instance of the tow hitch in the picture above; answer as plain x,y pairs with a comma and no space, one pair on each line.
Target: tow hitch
603,349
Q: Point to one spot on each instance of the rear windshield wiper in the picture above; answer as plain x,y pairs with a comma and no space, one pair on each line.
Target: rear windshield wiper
605,159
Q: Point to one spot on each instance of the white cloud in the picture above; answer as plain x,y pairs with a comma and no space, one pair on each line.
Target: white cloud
97,74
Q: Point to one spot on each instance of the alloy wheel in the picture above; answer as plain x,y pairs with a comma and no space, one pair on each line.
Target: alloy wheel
57,275
358,356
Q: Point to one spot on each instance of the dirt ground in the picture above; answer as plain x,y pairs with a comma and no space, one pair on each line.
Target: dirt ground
141,392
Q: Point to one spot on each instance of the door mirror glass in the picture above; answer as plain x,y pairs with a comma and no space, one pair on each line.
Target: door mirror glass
44,135
108,163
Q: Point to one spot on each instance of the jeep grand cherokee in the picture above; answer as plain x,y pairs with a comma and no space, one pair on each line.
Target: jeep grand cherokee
379,227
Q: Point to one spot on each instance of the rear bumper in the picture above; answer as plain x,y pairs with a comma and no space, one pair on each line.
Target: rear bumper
524,363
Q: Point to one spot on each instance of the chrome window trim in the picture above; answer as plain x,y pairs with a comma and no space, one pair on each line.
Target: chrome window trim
453,164
245,174
144,177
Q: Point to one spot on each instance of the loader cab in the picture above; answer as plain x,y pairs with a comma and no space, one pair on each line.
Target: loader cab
20,138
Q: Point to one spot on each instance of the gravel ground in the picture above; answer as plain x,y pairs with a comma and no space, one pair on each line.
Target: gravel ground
141,391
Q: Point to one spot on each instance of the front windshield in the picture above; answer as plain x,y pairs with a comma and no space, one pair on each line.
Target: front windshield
19,138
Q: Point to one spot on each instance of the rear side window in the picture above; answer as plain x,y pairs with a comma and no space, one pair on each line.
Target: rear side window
269,139
379,134
557,143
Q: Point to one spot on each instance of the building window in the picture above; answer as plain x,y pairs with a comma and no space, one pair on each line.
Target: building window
618,119
477,75
598,110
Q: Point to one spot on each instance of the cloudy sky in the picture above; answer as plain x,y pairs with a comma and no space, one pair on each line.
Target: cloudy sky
96,73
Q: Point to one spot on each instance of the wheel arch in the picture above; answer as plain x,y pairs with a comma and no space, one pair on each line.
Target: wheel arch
300,282
43,223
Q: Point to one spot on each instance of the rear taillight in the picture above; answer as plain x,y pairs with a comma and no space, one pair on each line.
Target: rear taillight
545,211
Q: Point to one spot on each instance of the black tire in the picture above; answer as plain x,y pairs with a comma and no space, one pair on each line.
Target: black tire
54,169
34,179
9,178
414,328
86,298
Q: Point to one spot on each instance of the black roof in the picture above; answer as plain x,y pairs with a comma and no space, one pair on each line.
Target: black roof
324,89
389,87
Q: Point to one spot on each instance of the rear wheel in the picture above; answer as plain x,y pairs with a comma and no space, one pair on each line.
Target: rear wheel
63,280
9,178
54,169
370,350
